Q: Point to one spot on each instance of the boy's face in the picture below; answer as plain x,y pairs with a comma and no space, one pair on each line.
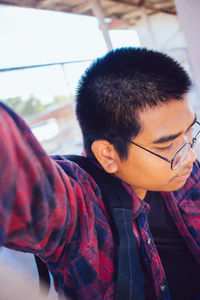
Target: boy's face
145,171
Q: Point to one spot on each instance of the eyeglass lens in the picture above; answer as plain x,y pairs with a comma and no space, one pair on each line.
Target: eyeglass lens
182,153
180,156
196,140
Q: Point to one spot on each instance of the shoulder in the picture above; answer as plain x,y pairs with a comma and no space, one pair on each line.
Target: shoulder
77,175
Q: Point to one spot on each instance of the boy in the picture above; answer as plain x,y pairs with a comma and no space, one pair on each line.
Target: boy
138,126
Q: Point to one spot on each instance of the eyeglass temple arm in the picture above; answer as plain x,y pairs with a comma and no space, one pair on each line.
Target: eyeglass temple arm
164,158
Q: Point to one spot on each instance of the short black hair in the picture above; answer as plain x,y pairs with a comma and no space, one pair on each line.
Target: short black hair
119,85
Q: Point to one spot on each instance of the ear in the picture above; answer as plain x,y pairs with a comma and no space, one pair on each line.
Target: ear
106,155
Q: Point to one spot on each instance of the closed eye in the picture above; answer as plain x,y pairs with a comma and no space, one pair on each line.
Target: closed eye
164,148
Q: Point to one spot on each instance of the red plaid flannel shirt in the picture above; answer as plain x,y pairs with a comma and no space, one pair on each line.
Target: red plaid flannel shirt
52,208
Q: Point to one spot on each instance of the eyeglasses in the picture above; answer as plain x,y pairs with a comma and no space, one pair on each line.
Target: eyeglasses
181,154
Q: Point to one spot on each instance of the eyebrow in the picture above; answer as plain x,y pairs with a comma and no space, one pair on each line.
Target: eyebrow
172,137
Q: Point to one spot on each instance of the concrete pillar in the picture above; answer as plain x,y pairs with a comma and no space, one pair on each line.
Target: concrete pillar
98,12
149,34
189,16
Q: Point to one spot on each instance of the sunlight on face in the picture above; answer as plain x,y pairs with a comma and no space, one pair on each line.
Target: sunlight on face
145,171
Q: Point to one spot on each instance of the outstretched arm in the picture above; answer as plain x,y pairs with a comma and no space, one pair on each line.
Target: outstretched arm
37,199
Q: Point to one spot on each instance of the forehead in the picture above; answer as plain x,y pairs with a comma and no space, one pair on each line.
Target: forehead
164,120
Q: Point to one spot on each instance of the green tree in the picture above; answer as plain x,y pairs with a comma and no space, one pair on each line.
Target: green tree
33,105
62,99
25,107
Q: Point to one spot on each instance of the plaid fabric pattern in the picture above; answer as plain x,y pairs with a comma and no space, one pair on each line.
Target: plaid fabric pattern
52,208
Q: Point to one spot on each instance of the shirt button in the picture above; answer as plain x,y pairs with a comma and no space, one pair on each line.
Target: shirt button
149,241
162,287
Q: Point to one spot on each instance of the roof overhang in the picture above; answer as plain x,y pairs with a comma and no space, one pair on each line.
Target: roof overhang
119,13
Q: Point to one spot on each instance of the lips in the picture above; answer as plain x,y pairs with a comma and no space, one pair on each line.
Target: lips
185,174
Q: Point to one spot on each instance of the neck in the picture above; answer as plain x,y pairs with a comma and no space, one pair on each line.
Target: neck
140,193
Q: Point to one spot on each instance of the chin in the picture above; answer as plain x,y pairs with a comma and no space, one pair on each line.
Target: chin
176,186
172,186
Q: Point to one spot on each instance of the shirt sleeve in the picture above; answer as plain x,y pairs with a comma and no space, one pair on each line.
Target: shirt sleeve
38,209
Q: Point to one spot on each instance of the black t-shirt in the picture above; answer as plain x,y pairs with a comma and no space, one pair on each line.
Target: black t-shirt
181,269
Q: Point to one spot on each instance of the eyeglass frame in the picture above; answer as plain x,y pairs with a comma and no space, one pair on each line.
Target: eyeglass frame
165,158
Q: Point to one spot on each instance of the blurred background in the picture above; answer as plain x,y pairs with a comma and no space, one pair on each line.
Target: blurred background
45,46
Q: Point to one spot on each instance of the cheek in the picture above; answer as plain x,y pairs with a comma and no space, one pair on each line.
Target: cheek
145,171
152,171
152,165
158,174
161,178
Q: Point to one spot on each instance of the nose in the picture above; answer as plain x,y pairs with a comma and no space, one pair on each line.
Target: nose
188,137
190,158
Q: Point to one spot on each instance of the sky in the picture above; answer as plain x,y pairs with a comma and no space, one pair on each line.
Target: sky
32,37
